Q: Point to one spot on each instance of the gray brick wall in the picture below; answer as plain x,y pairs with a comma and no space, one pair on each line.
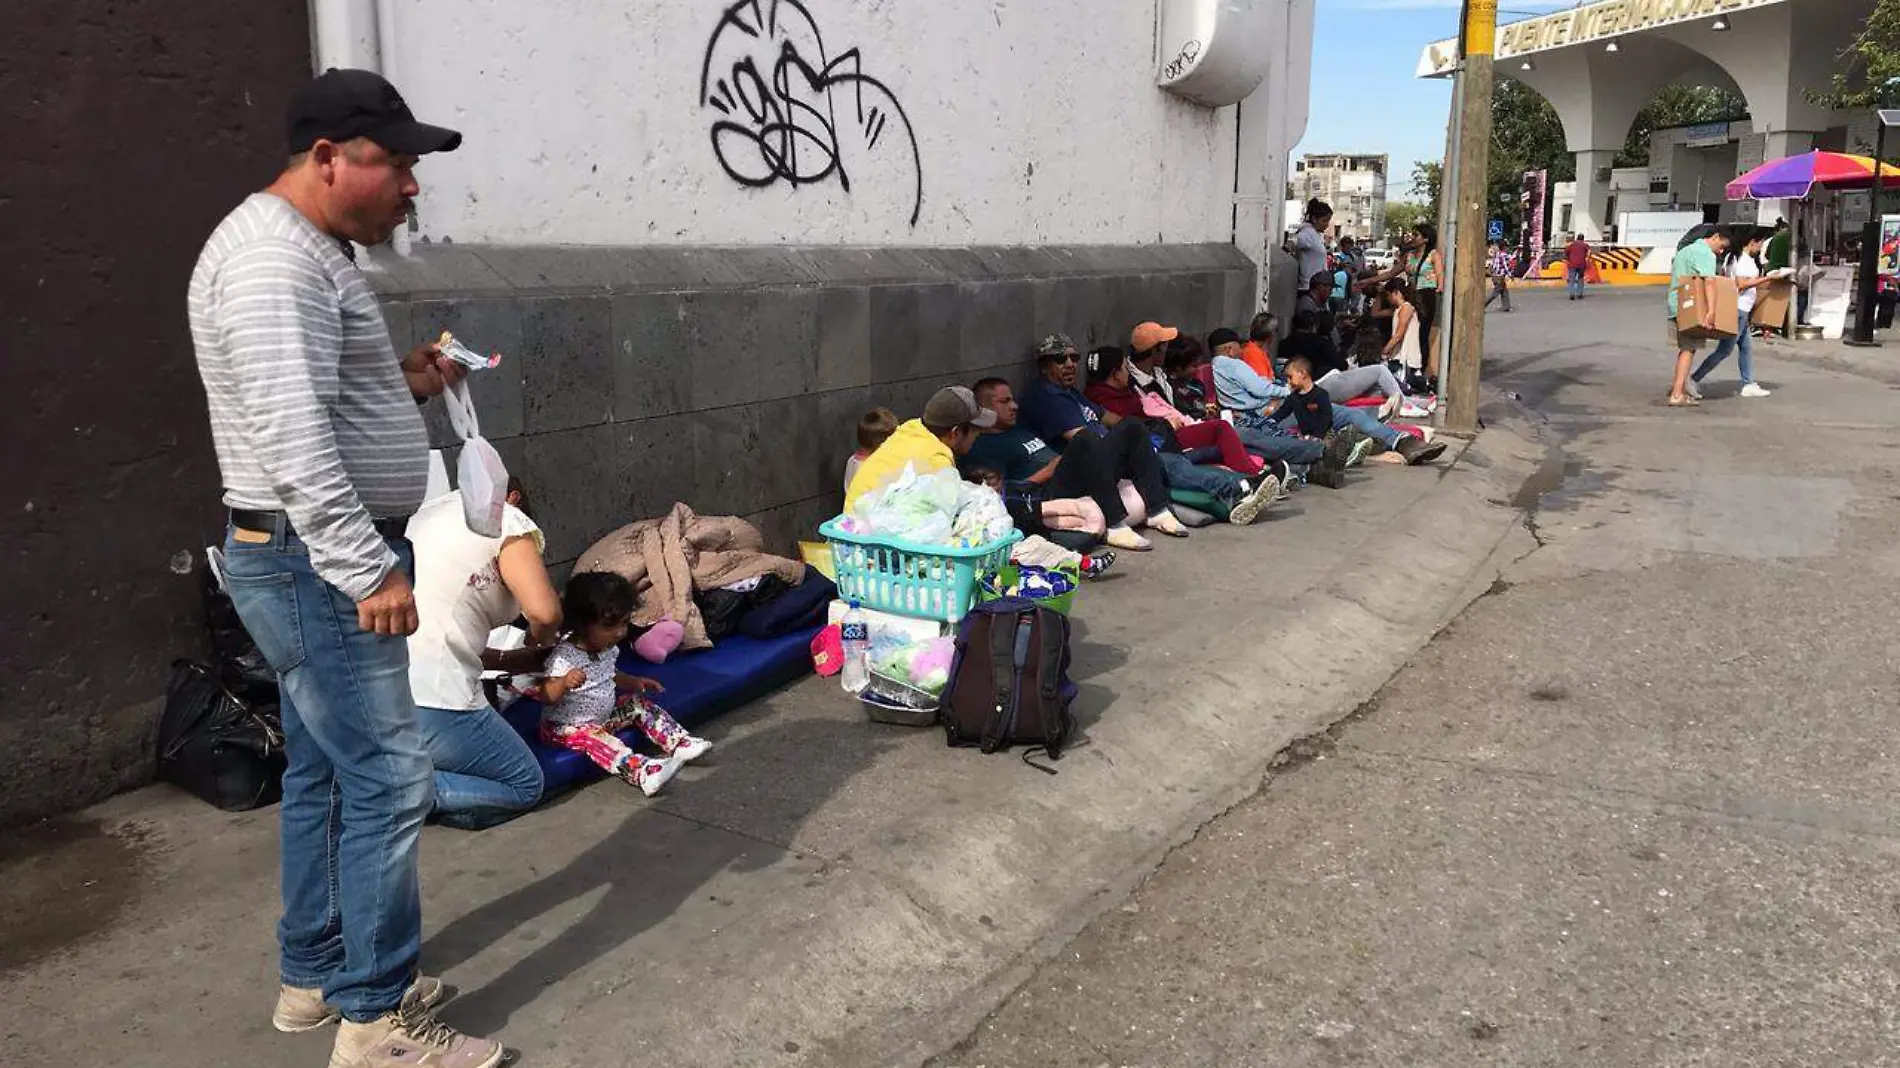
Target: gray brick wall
732,379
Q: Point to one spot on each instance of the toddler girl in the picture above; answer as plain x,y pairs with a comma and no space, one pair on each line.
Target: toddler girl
582,698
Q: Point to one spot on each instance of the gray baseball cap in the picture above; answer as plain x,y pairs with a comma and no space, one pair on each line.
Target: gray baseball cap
954,406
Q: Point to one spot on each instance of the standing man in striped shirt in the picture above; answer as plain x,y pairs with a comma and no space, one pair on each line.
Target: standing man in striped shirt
324,458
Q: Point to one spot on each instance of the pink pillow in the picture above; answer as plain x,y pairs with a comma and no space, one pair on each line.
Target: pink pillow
659,641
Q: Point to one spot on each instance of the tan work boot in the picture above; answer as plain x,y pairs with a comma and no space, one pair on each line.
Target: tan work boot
301,1009
410,1038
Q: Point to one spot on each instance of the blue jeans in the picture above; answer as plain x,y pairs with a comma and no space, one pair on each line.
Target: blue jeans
1573,281
1264,441
1741,344
357,786
484,772
1362,419
1217,482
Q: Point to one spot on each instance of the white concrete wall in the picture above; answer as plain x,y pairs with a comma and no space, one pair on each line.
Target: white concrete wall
1035,122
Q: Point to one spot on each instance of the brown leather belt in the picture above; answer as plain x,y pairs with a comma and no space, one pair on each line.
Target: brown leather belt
264,522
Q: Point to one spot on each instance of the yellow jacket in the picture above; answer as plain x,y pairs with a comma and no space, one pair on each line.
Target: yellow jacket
912,444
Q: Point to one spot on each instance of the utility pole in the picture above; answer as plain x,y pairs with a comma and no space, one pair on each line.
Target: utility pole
1471,149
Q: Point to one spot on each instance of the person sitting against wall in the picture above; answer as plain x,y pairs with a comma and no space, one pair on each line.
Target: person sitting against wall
1092,466
1257,351
1341,382
1256,404
1286,453
1245,495
875,427
1129,394
1317,296
466,586
948,428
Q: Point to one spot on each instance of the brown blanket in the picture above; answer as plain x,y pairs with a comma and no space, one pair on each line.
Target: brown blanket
668,558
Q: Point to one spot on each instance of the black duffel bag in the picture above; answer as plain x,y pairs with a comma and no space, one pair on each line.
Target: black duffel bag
224,749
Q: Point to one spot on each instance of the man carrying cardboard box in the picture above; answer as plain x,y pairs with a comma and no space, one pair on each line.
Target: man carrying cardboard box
1693,307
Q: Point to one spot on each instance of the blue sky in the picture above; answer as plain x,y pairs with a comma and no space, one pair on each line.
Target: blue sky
1364,97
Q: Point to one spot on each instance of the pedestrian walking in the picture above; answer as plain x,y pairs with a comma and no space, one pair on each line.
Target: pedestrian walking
1499,265
324,458
1576,265
1694,265
1748,279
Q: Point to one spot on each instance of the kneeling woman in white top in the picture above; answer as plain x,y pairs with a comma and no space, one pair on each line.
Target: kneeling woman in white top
466,586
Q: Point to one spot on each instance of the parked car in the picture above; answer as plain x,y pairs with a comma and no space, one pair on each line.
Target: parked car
1379,257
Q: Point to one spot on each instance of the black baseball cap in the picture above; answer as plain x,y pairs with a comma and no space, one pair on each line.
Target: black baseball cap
342,104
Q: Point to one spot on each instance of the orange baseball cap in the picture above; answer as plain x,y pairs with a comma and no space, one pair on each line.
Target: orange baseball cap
1148,335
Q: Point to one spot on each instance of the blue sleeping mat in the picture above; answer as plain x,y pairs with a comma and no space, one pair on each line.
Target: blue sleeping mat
699,686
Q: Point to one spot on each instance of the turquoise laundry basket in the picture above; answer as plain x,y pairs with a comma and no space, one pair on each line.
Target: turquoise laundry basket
924,581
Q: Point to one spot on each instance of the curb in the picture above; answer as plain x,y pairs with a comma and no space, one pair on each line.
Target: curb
1470,502
1835,356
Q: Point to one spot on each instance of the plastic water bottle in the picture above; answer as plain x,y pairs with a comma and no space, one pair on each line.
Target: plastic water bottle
857,649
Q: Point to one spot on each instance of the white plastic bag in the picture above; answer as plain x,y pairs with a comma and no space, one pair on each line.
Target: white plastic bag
480,474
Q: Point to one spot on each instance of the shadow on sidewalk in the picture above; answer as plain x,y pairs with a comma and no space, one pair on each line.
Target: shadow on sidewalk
654,861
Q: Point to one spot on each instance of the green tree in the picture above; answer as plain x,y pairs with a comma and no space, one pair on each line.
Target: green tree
1867,64
1402,215
1526,135
1428,182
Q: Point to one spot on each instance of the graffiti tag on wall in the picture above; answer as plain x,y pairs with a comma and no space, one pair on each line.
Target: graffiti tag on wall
789,111
1178,66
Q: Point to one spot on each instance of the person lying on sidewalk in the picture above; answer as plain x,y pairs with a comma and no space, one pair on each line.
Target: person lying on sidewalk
950,424
1310,409
1055,415
587,700
1245,492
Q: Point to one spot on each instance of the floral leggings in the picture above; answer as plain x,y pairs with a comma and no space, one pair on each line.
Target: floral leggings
597,741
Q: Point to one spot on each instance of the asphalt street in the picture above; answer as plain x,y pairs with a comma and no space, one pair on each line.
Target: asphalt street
1631,808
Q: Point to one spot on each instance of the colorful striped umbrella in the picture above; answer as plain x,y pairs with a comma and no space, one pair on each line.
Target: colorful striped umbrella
1796,176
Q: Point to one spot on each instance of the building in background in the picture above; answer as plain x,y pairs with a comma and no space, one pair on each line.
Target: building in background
1599,63
1353,184
706,235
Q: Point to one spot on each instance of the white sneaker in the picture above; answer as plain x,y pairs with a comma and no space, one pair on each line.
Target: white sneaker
651,773
1259,495
1692,389
1753,390
692,749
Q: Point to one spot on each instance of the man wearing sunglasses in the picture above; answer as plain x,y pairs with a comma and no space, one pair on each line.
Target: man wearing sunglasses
1095,457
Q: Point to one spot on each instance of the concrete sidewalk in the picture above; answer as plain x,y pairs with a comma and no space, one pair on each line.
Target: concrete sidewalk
1880,363
823,891
1633,809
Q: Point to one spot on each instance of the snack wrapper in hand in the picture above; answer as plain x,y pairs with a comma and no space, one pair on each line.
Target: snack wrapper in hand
464,355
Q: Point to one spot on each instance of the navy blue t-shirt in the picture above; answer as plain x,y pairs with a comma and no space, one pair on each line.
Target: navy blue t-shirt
1050,412
1014,453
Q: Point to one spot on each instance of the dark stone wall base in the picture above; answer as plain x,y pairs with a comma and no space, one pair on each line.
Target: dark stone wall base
732,379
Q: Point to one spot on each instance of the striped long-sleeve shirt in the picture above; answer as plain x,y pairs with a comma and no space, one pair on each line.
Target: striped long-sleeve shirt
309,410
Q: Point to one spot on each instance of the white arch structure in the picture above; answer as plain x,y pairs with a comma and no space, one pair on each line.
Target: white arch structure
1772,53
